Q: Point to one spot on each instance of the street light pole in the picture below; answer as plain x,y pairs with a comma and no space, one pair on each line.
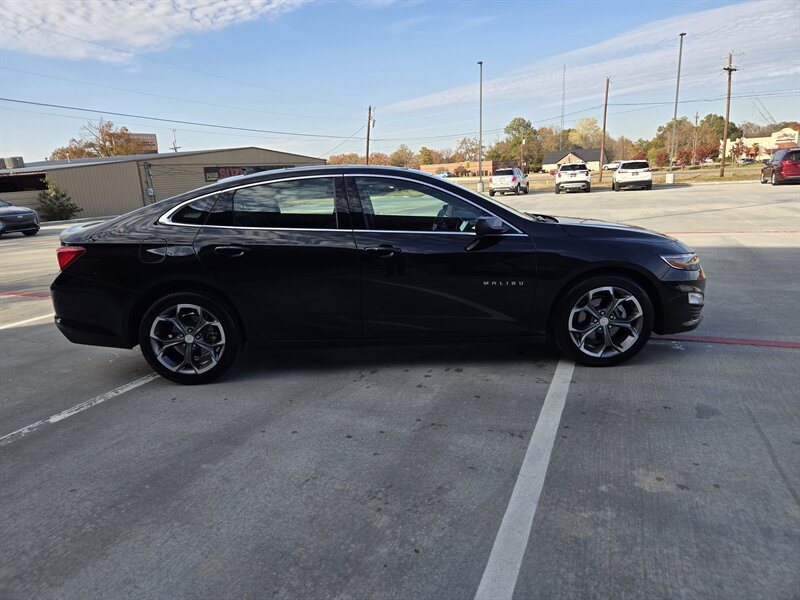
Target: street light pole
480,129
675,113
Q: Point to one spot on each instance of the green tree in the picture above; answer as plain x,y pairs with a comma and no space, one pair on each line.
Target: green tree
55,204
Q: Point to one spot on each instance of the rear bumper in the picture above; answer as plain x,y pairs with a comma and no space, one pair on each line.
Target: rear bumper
81,306
634,183
787,178
573,185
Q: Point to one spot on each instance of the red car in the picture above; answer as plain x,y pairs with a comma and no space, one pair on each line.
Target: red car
784,166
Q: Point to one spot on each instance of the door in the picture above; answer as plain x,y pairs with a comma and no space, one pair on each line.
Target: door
425,273
284,252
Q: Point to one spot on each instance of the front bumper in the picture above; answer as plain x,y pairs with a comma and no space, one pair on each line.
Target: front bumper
680,307
27,224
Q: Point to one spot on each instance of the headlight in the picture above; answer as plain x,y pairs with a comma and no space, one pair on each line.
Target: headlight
684,262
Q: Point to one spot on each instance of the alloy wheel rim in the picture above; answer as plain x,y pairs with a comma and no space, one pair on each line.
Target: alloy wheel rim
605,322
187,339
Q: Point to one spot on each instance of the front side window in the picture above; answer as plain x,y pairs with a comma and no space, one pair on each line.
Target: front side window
299,203
401,205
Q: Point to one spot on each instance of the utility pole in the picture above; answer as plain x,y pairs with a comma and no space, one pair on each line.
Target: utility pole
730,69
603,139
174,146
563,104
369,127
521,154
694,146
480,129
675,114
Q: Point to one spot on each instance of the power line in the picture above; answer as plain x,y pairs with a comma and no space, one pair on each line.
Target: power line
163,120
190,100
356,132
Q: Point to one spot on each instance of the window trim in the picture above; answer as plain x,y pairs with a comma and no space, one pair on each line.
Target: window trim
166,218
517,231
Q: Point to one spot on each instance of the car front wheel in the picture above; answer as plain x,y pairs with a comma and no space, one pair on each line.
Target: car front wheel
763,179
604,321
189,338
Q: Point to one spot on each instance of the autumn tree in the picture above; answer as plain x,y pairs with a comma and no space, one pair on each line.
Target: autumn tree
100,139
466,149
403,157
427,156
379,158
585,134
350,158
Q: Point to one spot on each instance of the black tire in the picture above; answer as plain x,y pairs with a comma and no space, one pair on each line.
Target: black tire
30,232
188,308
773,180
526,189
569,314
558,190
588,188
517,190
491,192
615,186
649,186
763,179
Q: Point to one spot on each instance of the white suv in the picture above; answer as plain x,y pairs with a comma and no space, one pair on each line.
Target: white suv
573,176
508,180
632,173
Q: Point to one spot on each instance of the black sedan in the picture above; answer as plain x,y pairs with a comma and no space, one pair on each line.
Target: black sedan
370,254
18,218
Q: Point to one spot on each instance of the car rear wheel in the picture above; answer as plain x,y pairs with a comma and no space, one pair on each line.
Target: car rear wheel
649,186
491,192
31,231
189,338
525,189
615,186
588,188
518,190
558,190
773,180
604,321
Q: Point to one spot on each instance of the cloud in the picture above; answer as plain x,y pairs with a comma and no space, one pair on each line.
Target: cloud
56,27
645,59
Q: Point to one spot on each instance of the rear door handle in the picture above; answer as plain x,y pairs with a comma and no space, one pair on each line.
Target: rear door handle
384,250
231,251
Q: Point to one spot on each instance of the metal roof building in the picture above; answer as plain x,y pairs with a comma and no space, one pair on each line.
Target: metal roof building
118,184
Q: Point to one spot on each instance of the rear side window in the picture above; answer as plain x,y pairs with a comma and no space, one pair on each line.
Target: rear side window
640,164
574,167
793,156
296,204
209,210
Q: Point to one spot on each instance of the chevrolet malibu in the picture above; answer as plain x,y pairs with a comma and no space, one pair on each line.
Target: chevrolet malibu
366,254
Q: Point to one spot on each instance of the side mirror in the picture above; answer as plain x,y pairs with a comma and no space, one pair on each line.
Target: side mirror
489,226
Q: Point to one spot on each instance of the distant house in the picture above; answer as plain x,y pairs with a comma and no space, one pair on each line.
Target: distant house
590,156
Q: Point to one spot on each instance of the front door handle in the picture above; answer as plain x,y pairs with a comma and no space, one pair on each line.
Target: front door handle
231,251
384,250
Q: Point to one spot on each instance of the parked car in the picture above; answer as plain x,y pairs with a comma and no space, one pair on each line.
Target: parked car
612,166
573,176
365,254
444,174
18,218
746,161
632,173
511,180
783,167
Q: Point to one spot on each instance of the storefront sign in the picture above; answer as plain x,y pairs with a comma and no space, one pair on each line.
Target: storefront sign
217,173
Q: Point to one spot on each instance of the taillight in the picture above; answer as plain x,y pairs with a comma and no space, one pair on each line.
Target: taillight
491,179
622,170
513,179
67,254
648,170
559,174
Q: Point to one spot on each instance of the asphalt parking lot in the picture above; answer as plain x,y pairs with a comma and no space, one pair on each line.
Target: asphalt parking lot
408,472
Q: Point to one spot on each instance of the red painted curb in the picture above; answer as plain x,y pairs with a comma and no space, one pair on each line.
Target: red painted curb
729,341
26,294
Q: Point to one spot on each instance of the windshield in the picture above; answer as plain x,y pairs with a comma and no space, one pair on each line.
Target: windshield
4,203
575,167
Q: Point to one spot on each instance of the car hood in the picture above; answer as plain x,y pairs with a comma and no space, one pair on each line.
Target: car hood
592,228
7,211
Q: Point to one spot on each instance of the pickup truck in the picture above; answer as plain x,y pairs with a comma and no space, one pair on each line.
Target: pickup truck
508,180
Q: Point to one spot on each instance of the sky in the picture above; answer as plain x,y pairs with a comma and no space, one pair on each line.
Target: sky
298,75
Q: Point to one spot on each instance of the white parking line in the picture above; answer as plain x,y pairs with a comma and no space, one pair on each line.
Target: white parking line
10,437
500,576
26,321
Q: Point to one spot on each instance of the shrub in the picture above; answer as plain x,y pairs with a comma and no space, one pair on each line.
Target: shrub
55,204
